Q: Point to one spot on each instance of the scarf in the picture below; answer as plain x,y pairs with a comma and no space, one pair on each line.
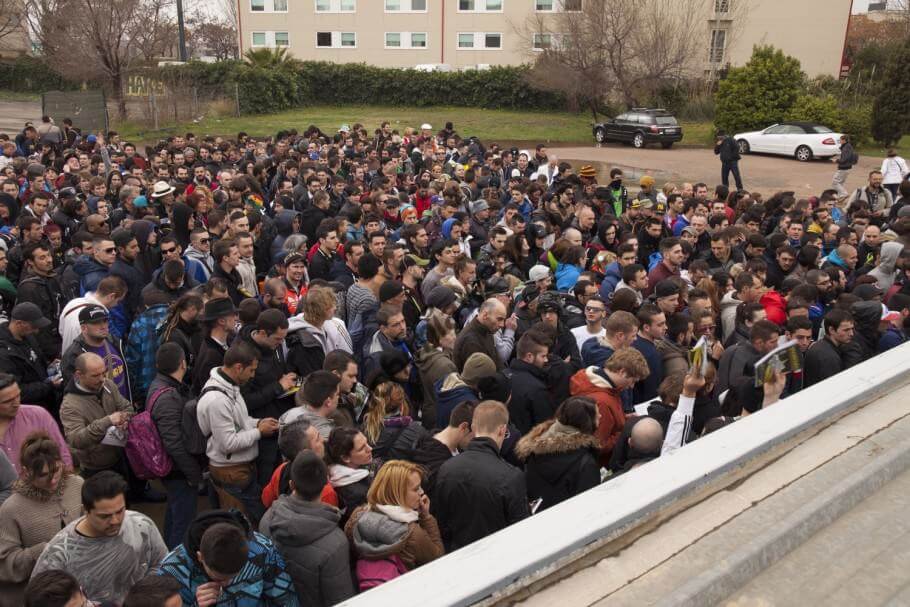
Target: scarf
342,476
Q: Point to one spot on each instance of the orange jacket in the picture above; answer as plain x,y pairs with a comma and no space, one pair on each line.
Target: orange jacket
592,382
271,491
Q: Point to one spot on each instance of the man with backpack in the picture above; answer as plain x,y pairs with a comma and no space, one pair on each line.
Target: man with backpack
167,399
233,436
845,161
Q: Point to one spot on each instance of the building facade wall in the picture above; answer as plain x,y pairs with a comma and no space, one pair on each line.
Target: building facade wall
811,30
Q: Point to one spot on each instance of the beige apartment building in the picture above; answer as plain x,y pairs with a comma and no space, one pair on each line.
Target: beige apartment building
464,34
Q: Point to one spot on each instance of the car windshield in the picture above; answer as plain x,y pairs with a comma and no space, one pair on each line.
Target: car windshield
666,120
820,129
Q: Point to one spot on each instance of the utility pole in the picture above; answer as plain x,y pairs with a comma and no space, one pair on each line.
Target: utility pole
181,32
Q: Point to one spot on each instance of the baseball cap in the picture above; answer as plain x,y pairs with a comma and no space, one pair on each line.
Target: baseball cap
390,289
867,291
140,201
496,285
93,313
538,272
30,313
516,174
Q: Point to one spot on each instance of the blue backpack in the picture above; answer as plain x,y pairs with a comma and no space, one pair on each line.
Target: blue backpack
142,347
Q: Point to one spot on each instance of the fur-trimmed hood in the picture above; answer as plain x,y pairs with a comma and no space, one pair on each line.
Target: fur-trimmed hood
541,440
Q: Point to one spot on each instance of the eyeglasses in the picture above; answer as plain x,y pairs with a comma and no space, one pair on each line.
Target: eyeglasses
594,309
204,240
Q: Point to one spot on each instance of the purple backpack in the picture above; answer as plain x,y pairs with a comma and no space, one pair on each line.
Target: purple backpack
144,449
376,573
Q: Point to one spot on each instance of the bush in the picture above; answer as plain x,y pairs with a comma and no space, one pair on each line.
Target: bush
812,108
294,84
759,93
32,75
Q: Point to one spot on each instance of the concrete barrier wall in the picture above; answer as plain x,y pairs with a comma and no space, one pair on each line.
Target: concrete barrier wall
486,567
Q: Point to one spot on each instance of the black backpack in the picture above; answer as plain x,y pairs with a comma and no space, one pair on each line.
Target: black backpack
195,440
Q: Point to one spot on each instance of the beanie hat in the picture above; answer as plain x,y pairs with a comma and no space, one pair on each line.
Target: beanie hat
441,297
495,387
478,365
389,290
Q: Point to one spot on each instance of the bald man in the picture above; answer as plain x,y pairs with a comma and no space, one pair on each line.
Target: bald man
92,405
477,335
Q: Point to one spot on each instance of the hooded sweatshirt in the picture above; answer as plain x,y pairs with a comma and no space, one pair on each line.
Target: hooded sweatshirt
383,531
594,383
885,273
728,307
223,417
315,548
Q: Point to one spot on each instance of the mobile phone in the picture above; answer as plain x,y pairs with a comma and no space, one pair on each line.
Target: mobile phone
535,504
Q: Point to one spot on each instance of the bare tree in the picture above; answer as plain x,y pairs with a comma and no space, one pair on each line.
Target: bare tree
214,35
625,49
12,22
102,40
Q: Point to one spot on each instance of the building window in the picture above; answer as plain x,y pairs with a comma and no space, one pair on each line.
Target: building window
545,6
480,40
335,6
405,6
349,40
480,6
551,6
417,40
258,38
718,43
721,6
542,42
281,39
269,6
324,39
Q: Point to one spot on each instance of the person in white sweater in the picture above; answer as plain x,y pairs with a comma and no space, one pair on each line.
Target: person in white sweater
233,436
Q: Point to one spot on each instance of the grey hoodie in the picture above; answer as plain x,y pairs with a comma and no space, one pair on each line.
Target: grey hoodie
728,313
314,547
377,535
884,273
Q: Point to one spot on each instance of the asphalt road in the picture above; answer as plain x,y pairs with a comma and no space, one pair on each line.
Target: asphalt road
762,173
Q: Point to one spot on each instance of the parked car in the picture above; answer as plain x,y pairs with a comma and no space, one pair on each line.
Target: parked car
640,126
801,140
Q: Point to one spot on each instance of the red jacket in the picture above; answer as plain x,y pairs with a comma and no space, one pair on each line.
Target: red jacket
592,382
660,272
775,307
273,490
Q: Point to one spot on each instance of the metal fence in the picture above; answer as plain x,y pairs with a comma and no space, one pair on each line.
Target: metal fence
154,104
88,109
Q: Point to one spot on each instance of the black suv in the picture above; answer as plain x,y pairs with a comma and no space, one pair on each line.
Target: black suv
640,126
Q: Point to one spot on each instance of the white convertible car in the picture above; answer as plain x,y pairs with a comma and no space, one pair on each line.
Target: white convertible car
801,140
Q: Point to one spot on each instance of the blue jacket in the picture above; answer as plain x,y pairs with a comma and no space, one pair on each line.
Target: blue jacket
612,276
262,581
891,338
450,392
566,276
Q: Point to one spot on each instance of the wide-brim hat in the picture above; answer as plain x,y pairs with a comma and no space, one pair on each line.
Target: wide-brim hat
218,308
162,188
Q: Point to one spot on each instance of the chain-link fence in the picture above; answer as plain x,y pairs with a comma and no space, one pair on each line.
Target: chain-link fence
152,103
88,109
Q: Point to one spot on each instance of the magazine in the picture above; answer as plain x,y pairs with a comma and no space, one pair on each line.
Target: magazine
699,356
784,358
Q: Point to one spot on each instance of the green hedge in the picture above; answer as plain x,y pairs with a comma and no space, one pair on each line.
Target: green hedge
31,75
265,90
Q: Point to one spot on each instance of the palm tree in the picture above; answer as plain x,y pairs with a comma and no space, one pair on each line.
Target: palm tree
271,58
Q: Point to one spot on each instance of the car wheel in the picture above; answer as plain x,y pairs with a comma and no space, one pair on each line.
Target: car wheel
600,135
638,141
743,146
666,145
804,153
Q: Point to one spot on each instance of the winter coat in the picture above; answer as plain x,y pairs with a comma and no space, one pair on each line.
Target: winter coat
135,282
209,356
560,462
736,375
307,346
222,416
284,225
867,316
728,306
594,383
449,392
310,219
157,291
24,361
478,493
234,283
314,548
475,338
205,264
44,292
567,275
775,307
263,391
530,403
86,418
264,579
847,157
90,273
433,364
431,454
823,359
351,486
375,535
167,414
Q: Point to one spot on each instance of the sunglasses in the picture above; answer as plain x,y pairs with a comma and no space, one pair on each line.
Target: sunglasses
203,240
167,251
109,250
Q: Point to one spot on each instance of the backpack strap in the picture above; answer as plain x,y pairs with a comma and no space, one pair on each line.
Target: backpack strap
153,398
85,305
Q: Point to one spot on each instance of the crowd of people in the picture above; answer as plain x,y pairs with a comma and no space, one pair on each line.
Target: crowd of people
363,350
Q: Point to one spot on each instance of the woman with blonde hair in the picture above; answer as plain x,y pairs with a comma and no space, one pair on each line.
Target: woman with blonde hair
394,531
45,499
387,418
